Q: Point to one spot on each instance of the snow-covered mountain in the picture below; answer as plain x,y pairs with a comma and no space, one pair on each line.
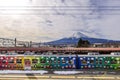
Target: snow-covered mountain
79,35
75,38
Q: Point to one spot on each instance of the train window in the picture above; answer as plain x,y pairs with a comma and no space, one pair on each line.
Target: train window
118,67
84,62
3,61
108,58
70,61
91,61
55,61
105,62
58,61
42,60
63,61
114,61
97,62
26,60
34,61
1,58
11,61
100,60
19,61
52,59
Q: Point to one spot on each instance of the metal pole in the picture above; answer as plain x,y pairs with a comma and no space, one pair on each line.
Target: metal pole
15,42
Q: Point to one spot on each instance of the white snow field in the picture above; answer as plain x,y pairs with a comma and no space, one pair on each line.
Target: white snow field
25,72
67,72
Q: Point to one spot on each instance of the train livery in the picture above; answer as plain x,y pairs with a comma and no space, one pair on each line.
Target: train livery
39,62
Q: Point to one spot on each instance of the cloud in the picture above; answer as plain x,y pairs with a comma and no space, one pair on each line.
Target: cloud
54,19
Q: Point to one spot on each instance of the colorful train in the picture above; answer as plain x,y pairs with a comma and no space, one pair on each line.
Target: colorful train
38,62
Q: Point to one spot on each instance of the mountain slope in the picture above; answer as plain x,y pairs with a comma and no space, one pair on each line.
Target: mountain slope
75,38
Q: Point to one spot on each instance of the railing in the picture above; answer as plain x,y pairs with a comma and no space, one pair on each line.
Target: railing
56,49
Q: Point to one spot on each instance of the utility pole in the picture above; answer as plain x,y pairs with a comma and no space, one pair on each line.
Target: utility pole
30,43
39,44
15,42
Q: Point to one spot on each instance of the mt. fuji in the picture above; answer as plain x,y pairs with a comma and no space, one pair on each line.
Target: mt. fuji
75,38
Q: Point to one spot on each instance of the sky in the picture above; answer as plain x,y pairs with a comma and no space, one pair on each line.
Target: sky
47,20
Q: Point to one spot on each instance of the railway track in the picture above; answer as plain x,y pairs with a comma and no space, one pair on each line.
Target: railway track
58,77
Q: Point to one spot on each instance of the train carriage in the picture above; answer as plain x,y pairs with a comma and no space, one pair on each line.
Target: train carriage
46,62
98,62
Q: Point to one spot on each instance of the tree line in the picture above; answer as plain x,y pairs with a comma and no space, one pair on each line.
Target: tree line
83,43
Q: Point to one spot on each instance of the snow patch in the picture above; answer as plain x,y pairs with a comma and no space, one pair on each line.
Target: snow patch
66,72
25,72
79,35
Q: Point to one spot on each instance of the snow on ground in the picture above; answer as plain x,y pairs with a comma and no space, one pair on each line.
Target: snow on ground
17,71
67,72
38,72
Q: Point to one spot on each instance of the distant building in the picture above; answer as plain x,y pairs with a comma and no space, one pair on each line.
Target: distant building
110,45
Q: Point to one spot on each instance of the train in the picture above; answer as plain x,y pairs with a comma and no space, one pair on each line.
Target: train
59,62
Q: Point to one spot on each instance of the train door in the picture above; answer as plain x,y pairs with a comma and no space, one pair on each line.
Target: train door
27,63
